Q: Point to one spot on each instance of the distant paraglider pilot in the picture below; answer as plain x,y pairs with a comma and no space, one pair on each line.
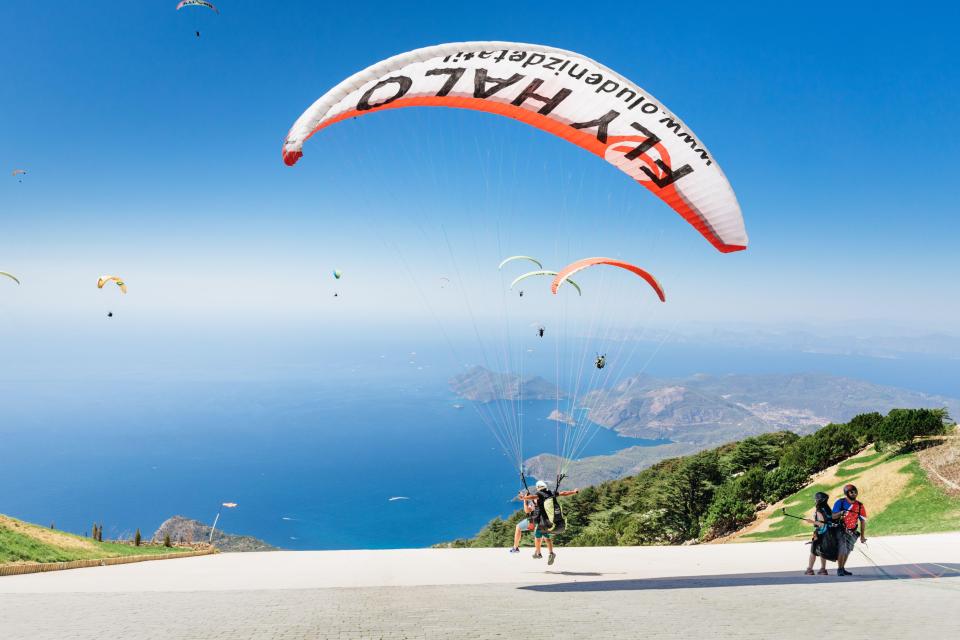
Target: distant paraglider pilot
540,331
521,293
104,279
601,361
199,4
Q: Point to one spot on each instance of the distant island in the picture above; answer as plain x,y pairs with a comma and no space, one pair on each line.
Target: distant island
186,531
560,416
479,384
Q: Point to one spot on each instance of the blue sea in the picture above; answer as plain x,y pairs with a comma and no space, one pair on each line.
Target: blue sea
312,459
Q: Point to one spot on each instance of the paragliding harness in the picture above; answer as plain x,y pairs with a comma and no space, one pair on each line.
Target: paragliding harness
548,514
847,537
858,511
826,540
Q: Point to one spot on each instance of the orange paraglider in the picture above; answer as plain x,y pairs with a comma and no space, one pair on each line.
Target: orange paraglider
580,265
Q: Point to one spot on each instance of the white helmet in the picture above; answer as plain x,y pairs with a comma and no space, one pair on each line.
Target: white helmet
541,484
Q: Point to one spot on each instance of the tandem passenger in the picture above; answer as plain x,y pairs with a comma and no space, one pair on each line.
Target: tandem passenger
825,535
527,525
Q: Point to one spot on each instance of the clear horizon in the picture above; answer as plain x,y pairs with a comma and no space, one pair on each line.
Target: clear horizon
154,154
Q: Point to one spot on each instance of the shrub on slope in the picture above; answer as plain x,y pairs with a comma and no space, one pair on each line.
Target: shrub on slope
712,493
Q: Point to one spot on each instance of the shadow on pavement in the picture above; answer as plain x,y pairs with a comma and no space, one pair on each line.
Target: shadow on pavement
576,573
862,574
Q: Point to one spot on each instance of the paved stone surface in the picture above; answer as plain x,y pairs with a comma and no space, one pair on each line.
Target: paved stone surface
905,598
789,609
424,567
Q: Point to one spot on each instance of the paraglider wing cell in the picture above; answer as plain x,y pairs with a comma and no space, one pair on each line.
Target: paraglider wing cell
560,92
580,265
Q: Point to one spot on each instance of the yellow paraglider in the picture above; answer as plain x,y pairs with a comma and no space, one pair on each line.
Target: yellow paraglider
106,278
10,275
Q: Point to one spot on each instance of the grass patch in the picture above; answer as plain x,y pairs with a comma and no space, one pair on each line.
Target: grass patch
920,508
781,526
863,457
24,542
855,467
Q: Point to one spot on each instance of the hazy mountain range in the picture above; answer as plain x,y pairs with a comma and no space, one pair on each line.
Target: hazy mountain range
706,409
854,340
702,411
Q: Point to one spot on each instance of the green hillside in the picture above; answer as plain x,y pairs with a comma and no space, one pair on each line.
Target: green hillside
737,491
896,489
24,542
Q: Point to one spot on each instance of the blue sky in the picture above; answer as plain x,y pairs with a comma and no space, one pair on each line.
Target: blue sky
156,154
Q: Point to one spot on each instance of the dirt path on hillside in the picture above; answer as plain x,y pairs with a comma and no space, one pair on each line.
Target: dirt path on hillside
879,486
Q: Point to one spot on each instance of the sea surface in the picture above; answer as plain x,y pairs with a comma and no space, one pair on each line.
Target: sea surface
313,458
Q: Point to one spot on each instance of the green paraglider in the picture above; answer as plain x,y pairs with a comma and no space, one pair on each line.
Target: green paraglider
542,272
528,258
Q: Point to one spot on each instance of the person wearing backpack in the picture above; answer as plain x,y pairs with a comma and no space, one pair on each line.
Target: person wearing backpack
548,516
852,516
528,524
824,543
